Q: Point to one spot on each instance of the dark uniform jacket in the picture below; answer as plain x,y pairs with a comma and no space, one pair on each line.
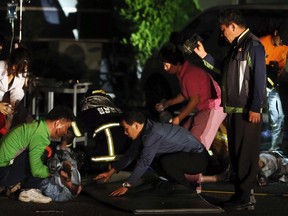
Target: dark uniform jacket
243,77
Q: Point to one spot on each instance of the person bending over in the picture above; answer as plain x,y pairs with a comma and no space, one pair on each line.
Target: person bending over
169,149
22,148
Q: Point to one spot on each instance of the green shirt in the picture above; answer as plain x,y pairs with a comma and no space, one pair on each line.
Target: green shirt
33,136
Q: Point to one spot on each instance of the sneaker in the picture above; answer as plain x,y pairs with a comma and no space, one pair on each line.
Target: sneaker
33,195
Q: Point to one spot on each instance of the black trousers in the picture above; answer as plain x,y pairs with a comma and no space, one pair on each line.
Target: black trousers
244,139
19,171
173,166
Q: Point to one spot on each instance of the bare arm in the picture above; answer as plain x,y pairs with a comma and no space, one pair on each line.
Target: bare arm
166,103
189,108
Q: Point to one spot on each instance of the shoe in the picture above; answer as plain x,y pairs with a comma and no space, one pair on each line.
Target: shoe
195,181
13,191
236,205
33,195
14,188
196,187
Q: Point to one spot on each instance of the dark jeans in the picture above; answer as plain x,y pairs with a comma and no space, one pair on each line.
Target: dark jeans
19,171
173,166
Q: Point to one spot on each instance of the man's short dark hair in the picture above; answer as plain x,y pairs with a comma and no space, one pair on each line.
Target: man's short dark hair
131,116
231,15
61,112
170,53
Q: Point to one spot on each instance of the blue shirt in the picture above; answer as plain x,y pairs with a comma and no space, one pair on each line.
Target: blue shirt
156,139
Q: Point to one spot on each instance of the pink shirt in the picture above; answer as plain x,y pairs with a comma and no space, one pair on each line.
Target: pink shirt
195,81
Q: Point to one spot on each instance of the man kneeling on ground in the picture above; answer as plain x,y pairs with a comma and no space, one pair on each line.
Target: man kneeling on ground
170,150
21,152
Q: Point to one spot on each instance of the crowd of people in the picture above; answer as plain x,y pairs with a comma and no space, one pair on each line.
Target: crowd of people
25,173
177,151
243,99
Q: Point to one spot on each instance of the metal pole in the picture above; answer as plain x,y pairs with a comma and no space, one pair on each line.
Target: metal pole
20,21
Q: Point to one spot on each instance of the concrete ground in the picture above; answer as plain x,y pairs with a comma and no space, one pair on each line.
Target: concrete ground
271,200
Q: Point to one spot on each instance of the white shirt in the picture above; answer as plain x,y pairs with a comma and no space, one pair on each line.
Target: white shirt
16,89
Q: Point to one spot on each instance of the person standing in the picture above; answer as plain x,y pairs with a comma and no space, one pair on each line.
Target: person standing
12,79
243,98
276,54
12,76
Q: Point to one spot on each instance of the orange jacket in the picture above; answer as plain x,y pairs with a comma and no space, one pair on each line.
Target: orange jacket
274,53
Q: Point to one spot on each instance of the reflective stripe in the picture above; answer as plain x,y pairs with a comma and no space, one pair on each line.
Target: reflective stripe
76,129
211,67
208,65
228,109
98,91
233,109
270,81
222,136
242,68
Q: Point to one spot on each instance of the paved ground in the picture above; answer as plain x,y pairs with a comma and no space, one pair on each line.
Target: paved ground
271,200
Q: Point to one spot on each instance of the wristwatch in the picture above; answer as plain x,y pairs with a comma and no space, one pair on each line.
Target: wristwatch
126,185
